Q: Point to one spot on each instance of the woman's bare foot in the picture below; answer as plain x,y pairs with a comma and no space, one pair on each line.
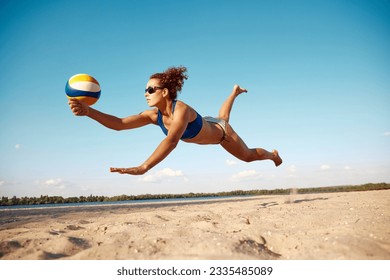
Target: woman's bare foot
237,90
277,159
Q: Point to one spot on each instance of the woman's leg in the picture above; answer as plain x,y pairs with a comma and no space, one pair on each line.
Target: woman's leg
226,108
234,144
237,147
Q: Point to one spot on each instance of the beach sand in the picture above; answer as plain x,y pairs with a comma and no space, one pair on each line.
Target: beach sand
333,226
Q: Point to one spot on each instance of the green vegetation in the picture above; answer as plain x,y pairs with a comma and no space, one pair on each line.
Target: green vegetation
44,199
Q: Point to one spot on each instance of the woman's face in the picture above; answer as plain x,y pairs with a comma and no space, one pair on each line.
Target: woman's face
153,92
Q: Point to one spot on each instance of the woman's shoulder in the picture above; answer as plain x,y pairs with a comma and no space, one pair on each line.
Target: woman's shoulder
182,105
152,114
186,109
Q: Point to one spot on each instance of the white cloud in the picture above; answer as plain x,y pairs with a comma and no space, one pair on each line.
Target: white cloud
325,167
347,167
387,133
231,162
291,169
165,173
17,146
4,183
148,178
62,187
53,183
246,175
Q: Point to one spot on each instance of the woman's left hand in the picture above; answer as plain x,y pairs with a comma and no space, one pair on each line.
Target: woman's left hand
132,171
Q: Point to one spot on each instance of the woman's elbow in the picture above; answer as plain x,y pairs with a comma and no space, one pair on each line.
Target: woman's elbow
118,125
114,127
117,128
172,141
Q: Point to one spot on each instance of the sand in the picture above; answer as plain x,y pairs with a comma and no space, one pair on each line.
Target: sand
337,226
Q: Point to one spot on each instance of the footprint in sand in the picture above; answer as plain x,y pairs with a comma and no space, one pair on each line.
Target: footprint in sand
69,227
51,256
69,247
56,232
268,204
161,218
79,242
73,227
7,247
256,249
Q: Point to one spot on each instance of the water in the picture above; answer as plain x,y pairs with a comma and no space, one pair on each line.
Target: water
143,201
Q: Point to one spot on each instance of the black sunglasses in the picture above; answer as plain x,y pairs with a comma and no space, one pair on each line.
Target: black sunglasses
152,90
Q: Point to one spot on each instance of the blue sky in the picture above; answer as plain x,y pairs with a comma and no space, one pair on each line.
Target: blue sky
317,72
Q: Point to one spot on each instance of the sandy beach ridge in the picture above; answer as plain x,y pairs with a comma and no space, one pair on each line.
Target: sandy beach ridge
353,225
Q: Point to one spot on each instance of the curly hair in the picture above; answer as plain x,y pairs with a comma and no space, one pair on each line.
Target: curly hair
172,79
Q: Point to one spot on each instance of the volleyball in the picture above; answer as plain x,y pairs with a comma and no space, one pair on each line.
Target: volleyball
83,87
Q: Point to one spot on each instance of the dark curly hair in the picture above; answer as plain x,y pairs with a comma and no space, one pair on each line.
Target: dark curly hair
172,79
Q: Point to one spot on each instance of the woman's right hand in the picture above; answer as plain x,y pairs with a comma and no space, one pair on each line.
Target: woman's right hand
78,107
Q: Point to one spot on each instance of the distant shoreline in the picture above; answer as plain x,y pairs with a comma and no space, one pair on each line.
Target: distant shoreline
126,203
53,200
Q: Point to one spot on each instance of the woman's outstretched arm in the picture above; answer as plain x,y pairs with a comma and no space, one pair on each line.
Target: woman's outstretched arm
161,152
80,108
176,130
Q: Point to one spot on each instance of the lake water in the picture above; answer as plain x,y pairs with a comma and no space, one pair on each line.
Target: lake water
144,201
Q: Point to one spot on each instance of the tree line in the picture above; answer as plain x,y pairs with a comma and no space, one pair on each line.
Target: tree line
45,199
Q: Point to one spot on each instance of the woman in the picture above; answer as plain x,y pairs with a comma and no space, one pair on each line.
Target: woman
178,121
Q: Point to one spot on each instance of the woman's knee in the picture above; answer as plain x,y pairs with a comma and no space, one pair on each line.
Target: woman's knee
248,157
245,155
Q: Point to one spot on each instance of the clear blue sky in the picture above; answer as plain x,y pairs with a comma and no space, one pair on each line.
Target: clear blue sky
318,75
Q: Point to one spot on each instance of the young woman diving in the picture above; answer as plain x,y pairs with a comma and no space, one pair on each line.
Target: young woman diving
178,121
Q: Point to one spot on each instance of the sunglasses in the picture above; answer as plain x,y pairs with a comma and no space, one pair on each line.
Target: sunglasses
152,90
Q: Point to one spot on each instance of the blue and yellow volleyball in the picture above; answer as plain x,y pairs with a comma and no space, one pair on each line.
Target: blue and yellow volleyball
83,87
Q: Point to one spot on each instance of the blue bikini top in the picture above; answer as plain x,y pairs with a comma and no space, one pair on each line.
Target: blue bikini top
192,129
